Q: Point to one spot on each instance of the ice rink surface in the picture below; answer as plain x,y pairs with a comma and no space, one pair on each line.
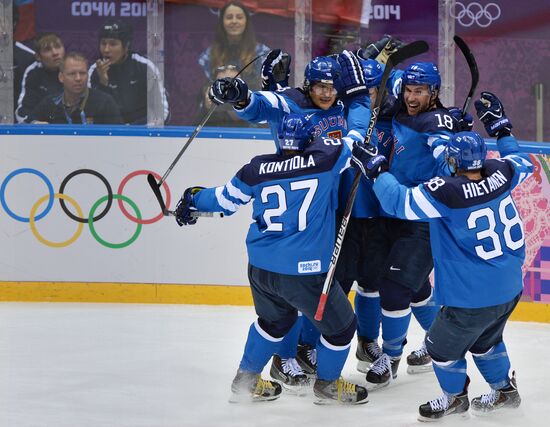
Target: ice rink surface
130,365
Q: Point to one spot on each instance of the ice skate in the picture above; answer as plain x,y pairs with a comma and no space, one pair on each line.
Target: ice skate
446,405
382,371
250,387
307,359
340,392
290,375
507,397
367,352
419,361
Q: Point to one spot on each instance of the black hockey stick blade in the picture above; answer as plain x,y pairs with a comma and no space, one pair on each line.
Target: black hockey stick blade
472,64
408,51
156,190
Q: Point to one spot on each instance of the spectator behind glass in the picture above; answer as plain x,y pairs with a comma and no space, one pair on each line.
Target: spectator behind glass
76,104
234,43
23,56
123,74
40,79
223,115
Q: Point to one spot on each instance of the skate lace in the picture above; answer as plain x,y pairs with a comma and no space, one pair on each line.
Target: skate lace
439,404
381,365
312,356
291,366
374,349
262,386
422,351
490,398
344,388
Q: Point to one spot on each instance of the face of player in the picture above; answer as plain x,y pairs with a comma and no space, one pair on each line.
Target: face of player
418,99
52,55
322,95
74,76
234,22
113,50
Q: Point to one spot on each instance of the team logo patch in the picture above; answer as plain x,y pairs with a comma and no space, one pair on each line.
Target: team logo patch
309,266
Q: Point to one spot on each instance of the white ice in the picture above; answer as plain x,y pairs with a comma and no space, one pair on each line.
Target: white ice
129,365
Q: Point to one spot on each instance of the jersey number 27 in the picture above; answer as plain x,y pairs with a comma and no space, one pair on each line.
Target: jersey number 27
309,184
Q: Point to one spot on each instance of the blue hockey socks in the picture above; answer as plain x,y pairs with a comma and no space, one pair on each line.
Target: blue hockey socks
309,334
394,331
367,308
289,344
330,359
259,348
425,312
494,365
451,375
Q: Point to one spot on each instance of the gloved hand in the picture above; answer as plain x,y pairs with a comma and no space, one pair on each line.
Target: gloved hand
228,90
276,70
351,81
373,50
465,121
491,112
368,161
185,207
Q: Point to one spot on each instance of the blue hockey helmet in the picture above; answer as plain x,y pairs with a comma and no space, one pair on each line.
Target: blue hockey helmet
372,70
422,73
324,69
466,150
294,133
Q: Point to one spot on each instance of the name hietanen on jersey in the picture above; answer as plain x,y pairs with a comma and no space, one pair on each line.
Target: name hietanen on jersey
293,163
485,186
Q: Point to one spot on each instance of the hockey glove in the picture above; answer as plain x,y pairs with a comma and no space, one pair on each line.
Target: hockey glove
351,81
374,49
491,112
465,121
185,207
276,70
228,90
368,161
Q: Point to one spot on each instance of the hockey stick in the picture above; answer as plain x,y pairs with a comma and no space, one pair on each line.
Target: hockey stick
473,69
406,52
155,186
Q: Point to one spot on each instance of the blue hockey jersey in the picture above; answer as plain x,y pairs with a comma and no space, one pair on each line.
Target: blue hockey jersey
273,106
294,203
419,142
476,232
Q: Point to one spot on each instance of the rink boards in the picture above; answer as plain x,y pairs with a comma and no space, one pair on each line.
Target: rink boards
63,241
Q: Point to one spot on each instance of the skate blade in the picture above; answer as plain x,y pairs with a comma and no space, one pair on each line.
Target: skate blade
419,369
321,401
463,415
246,398
377,386
301,390
502,409
363,366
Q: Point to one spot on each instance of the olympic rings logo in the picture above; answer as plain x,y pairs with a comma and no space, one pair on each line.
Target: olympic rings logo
475,13
80,219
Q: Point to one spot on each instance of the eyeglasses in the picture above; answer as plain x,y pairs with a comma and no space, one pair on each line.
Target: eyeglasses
321,89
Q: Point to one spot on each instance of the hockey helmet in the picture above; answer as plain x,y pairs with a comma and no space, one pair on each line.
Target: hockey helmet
466,150
294,133
116,29
422,73
324,69
372,70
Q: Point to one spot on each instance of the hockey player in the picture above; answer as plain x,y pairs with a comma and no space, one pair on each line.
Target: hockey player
123,74
478,244
317,99
289,248
420,129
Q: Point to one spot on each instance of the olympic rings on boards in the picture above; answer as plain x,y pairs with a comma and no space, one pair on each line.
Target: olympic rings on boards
80,217
475,13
